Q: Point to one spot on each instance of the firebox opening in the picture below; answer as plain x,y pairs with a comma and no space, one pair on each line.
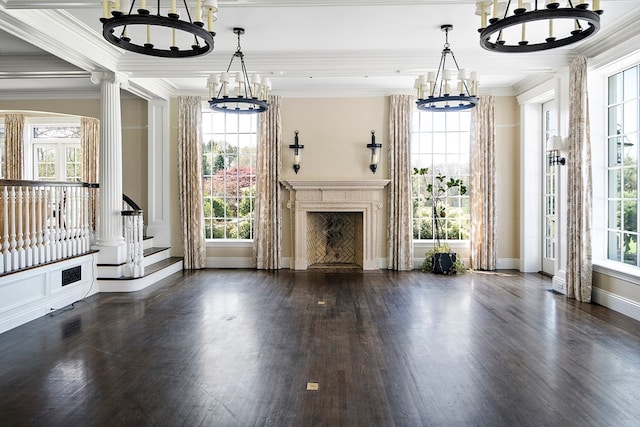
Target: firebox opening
335,239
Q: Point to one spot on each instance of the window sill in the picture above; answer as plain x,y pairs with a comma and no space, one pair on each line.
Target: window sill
218,243
618,270
453,244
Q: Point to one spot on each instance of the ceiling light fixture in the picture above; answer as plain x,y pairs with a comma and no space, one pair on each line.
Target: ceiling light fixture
147,27
561,25
251,95
437,92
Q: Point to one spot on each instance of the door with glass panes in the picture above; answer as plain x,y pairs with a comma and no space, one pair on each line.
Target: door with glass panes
549,192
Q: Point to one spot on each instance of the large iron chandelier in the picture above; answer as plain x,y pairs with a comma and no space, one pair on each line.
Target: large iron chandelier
507,29
139,28
246,96
442,90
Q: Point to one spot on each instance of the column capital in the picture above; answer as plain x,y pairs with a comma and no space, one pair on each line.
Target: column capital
97,77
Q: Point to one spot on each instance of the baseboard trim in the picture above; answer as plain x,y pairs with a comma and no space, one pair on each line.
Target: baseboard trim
616,302
230,262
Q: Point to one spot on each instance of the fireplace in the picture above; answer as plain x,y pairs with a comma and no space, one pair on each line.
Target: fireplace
336,223
334,239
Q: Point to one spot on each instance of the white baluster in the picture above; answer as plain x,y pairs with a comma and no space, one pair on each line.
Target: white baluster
46,236
71,221
139,245
56,250
34,228
128,238
85,219
12,240
6,256
20,230
41,228
26,201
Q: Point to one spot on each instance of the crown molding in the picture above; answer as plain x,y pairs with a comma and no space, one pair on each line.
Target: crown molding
72,41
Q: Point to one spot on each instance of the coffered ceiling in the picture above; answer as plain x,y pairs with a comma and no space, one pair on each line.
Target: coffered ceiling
309,48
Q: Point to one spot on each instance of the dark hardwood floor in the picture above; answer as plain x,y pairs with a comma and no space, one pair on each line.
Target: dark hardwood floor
238,347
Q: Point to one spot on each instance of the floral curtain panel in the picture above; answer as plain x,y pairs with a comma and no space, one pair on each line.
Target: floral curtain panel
579,186
399,230
13,146
190,181
90,148
268,223
482,197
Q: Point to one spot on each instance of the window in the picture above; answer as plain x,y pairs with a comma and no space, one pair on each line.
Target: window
441,142
56,152
623,115
229,174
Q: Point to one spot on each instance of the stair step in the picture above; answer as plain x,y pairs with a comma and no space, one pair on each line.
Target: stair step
154,250
153,274
150,269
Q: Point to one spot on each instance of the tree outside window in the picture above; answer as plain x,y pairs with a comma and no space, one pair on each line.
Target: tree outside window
440,144
229,178
622,130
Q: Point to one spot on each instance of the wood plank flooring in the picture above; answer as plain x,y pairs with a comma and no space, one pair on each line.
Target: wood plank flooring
238,347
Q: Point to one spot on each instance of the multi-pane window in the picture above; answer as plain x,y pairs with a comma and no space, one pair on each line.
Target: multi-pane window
56,152
229,174
623,108
440,143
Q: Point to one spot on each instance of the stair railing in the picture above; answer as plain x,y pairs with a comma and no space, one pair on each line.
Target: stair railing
44,221
133,224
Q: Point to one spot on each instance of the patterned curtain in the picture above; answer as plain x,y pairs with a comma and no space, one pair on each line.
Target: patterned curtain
268,224
90,148
579,188
190,181
13,146
482,195
399,229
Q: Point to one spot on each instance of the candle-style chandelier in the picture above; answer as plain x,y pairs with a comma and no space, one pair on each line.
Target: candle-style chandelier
249,96
557,26
139,29
447,89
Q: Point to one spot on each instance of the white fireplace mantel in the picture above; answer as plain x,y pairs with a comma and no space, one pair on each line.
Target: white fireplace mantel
365,195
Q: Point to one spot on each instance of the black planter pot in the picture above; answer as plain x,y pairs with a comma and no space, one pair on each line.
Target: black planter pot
443,263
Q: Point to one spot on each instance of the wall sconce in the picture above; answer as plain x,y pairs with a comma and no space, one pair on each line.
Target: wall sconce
296,147
375,148
554,145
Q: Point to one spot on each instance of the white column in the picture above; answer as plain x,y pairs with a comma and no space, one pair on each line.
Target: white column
110,239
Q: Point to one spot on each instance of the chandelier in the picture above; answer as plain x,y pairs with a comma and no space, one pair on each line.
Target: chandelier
246,96
444,90
561,25
188,37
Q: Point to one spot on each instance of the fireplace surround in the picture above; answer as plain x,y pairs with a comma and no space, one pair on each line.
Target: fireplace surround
366,197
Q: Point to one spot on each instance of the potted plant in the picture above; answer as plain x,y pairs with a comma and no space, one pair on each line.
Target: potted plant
440,259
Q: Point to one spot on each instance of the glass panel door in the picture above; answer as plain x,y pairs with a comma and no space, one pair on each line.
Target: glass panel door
549,191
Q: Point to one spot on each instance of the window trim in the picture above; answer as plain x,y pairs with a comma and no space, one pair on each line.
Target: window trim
598,85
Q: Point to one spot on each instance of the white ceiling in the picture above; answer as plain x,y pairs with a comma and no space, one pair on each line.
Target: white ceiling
307,47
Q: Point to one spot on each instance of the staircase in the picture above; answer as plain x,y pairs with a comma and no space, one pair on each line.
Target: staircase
158,264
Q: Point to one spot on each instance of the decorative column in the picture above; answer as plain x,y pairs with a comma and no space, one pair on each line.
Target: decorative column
110,239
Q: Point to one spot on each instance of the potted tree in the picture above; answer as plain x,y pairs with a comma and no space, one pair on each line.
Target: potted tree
440,259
